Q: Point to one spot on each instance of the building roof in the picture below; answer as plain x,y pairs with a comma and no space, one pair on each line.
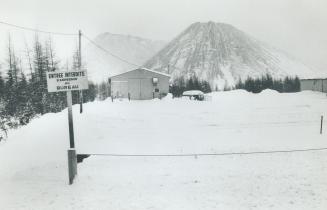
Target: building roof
192,93
145,69
313,79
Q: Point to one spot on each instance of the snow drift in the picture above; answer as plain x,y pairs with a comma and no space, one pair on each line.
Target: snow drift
33,161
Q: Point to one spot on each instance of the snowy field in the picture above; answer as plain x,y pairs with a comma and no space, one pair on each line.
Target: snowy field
33,161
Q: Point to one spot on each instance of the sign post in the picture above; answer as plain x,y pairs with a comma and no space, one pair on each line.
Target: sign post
59,81
70,120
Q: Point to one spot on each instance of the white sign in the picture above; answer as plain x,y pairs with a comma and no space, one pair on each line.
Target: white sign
67,80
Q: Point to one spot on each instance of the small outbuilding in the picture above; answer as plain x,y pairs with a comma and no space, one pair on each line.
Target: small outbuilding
139,84
194,94
314,85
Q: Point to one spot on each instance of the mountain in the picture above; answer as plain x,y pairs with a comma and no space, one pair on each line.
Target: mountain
222,54
133,49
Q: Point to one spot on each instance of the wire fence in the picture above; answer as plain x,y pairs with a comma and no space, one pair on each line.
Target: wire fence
207,154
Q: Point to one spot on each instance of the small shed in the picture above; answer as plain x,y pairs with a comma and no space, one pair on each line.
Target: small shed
195,94
139,84
314,85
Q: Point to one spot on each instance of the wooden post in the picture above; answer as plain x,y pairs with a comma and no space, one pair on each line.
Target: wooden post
72,165
70,119
72,161
321,122
80,69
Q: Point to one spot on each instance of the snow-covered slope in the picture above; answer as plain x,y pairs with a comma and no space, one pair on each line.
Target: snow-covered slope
220,53
136,50
33,161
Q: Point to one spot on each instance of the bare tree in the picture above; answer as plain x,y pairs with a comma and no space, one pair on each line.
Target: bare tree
28,54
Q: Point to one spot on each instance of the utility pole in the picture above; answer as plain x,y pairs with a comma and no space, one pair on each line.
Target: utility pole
168,68
80,68
70,120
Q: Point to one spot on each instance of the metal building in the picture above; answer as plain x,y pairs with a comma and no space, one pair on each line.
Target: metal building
314,85
139,84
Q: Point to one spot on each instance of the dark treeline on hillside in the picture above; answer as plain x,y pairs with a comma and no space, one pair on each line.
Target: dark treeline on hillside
23,91
193,83
288,84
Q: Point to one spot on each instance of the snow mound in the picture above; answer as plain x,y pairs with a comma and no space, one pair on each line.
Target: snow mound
168,97
269,92
232,93
192,92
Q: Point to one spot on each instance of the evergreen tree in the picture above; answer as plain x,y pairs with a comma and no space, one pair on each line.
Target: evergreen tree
288,84
205,87
2,87
102,90
193,83
25,111
12,82
90,94
38,83
297,84
75,64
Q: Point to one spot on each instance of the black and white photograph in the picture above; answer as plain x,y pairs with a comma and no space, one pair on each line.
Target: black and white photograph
163,105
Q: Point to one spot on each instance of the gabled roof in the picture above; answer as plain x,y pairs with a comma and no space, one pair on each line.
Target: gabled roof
145,69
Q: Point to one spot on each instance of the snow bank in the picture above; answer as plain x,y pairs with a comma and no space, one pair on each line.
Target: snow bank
192,92
168,97
269,92
33,164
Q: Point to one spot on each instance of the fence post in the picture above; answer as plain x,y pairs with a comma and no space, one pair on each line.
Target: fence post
321,122
72,165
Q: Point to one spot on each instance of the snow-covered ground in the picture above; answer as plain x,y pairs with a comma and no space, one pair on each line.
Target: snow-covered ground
33,161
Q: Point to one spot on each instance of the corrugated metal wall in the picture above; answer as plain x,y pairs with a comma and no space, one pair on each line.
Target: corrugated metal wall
314,85
139,84
119,89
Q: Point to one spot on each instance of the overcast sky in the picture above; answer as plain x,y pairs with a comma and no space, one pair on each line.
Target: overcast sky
298,27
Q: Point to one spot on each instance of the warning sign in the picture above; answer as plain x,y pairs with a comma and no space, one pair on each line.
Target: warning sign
64,81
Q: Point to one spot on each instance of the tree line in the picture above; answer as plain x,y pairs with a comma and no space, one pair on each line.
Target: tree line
256,85
23,89
181,84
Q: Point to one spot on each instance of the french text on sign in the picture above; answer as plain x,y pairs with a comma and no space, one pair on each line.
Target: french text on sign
65,81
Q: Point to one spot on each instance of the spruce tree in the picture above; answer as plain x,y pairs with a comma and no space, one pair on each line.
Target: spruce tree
2,87
12,82
25,111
